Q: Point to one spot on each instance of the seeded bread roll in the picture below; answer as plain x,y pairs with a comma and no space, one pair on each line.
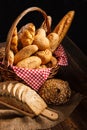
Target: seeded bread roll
55,91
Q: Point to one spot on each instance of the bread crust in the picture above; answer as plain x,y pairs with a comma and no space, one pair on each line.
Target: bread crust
31,62
25,53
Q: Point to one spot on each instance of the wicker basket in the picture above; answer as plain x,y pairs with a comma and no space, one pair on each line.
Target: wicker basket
6,71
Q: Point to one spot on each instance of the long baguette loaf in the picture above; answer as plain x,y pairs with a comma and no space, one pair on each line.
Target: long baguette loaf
64,24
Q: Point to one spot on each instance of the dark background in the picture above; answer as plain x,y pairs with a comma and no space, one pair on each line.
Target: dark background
10,9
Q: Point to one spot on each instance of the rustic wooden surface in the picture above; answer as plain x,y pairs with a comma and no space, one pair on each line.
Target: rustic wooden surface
76,121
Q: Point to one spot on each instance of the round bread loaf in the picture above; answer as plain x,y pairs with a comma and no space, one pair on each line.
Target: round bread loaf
55,91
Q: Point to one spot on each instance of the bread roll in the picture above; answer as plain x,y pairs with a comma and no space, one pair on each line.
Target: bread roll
26,34
24,53
41,40
53,41
31,62
45,56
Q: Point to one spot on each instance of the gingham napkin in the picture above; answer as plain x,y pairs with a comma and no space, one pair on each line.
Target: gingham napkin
33,77
36,77
61,56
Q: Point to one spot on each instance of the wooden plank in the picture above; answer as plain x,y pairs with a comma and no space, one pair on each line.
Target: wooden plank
76,121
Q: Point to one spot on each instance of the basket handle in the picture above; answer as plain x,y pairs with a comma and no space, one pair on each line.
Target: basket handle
10,33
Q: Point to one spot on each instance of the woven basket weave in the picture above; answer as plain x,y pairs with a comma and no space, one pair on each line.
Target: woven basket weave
6,71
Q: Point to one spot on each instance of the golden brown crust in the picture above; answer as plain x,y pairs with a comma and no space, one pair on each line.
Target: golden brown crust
11,57
14,41
45,56
41,40
53,41
26,34
64,24
25,52
31,62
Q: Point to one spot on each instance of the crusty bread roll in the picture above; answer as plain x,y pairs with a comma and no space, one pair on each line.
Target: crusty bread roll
53,41
25,52
31,62
45,56
26,34
41,40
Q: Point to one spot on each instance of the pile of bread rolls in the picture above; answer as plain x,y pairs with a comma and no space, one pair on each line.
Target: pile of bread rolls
31,48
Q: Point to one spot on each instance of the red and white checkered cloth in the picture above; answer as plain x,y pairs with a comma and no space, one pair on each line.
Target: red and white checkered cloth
36,77
33,77
61,56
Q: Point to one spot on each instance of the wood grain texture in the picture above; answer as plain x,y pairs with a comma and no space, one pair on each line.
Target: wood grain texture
76,121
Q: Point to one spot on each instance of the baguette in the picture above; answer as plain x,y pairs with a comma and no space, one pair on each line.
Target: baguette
63,26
